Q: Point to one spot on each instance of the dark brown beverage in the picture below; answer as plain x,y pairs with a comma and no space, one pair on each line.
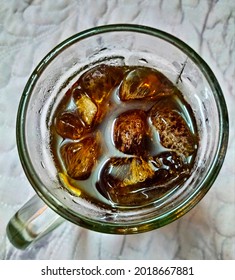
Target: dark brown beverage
123,136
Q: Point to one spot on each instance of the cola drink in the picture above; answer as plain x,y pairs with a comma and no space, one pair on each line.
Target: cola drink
123,136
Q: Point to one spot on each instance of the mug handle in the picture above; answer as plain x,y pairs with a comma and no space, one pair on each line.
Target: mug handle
32,221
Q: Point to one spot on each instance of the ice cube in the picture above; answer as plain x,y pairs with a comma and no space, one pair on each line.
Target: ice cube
100,80
131,131
170,171
87,109
137,181
173,130
140,170
80,157
144,83
173,164
122,180
65,180
69,125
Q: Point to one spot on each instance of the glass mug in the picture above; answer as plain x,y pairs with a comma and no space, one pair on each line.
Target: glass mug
116,44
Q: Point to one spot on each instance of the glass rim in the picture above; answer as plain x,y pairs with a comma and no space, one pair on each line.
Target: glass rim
164,218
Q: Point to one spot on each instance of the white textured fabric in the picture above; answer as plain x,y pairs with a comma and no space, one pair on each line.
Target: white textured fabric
28,30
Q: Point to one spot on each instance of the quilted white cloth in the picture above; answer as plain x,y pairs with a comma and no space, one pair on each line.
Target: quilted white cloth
28,30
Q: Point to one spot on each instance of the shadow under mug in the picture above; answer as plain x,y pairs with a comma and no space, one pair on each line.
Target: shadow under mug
114,44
